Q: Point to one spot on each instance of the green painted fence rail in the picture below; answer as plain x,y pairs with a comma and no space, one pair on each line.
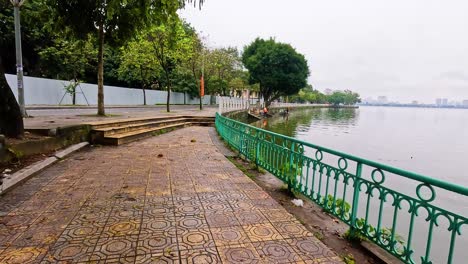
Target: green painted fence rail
396,209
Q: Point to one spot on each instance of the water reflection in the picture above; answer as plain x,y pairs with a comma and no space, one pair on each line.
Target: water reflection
302,121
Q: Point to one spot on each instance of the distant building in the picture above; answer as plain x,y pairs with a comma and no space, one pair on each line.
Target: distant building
438,101
382,100
444,101
465,103
414,102
328,91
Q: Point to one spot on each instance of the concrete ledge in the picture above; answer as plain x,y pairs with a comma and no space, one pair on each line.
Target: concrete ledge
63,153
381,254
26,173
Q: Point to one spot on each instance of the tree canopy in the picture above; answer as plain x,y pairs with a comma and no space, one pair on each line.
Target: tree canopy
346,97
276,67
337,97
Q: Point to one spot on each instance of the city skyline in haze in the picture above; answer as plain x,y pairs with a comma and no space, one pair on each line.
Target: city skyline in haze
405,50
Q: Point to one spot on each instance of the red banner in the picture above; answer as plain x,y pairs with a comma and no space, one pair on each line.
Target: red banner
202,87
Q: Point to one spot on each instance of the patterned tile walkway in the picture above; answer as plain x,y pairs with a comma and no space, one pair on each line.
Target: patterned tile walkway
168,199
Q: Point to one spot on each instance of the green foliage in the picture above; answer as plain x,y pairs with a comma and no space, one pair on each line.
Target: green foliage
349,259
319,235
184,82
171,45
291,172
237,85
356,234
308,95
71,87
241,167
276,67
347,98
138,64
68,58
340,206
34,35
222,65
120,19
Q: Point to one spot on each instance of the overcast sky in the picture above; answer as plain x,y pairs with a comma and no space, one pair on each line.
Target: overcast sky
404,49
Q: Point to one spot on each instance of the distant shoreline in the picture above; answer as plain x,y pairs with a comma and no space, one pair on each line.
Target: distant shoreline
417,106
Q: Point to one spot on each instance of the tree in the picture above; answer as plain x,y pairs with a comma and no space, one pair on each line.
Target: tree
68,59
347,98
11,121
336,98
138,64
183,81
277,67
351,98
111,20
221,66
33,36
171,46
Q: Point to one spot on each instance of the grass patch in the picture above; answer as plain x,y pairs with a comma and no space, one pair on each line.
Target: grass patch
241,167
319,235
162,131
349,259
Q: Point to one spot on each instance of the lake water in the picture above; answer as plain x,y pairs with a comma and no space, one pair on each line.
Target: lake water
428,141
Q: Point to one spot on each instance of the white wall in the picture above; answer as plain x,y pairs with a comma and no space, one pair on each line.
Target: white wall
40,91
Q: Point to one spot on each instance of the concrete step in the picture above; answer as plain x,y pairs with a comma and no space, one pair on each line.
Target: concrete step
129,121
134,121
107,131
122,138
118,132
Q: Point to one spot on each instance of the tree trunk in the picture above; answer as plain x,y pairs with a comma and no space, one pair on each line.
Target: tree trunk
74,91
100,76
11,121
168,98
169,85
143,84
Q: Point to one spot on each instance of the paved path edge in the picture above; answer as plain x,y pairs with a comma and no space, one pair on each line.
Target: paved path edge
26,173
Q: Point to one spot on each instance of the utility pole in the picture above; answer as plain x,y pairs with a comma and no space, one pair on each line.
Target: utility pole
19,57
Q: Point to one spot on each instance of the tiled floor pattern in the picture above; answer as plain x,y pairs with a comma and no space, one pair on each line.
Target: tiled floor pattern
173,198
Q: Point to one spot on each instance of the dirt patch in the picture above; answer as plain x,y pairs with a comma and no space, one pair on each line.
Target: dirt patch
26,137
325,227
17,164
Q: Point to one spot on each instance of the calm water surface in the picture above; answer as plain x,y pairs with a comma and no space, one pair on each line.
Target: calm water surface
432,142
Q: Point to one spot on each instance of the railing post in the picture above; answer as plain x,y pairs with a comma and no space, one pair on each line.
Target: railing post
354,208
257,149
292,173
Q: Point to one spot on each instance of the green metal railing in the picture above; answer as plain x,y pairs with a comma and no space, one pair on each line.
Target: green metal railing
393,208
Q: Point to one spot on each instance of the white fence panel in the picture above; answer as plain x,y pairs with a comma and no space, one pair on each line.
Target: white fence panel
41,91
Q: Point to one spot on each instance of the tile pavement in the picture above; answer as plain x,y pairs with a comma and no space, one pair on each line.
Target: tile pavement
168,199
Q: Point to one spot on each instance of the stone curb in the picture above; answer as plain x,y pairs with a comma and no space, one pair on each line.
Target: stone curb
379,253
63,153
26,173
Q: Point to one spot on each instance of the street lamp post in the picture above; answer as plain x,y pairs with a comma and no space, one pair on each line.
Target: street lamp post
19,57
